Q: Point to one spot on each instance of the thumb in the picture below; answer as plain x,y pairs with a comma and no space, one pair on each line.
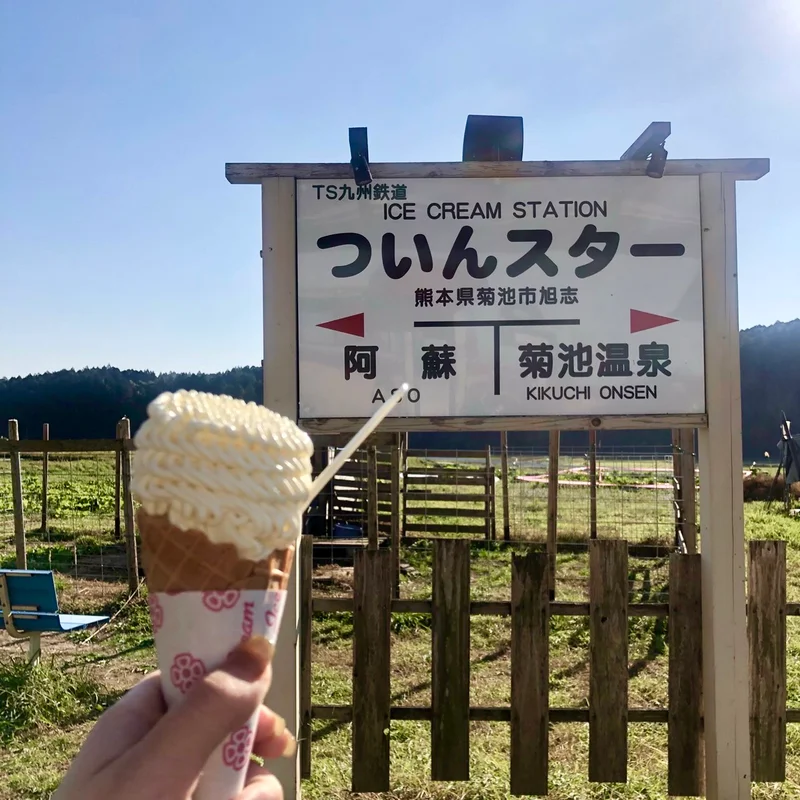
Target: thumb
177,748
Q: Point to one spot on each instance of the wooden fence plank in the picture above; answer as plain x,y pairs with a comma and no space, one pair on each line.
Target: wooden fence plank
495,714
117,489
371,670
504,479
395,532
488,511
422,495
127,502
306,617
608,658
360,457
592,483
444,454
372,499
16,498
359,472
688,490
491,608
766,628
552,506
45,476
450,476
450,661
530,695
358,492
677,485
477,471
420,527
64,446
435,511
417,483
492,502
685,730
453,475
435,480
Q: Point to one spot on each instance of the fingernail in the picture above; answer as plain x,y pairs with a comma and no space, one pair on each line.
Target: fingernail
260,647
291,747
250,659
280,725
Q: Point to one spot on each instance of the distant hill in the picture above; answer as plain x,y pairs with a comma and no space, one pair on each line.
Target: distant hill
770,360
87,403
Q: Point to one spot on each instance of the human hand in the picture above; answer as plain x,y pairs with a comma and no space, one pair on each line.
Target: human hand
140,750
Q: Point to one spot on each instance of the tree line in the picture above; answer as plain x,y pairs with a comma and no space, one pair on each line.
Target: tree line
87,403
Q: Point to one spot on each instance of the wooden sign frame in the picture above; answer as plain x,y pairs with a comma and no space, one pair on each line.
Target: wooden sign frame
725,652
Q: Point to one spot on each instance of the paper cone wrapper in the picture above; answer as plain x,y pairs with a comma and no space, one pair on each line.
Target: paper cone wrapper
204,600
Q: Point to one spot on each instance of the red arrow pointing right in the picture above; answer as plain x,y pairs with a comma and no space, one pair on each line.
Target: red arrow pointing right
644,320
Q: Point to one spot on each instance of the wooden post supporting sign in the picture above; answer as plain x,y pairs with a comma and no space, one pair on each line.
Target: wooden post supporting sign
725,657
280,394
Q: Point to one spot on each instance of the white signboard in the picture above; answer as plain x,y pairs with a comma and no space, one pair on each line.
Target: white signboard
500,297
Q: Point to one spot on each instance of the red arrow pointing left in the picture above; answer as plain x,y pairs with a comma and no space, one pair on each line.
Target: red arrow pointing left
352,325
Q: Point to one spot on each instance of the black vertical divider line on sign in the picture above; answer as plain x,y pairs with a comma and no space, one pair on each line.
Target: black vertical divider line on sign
496,359
496,324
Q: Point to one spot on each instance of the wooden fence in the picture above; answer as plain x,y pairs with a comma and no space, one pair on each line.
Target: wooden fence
370,473
122,445
529,713
379,490
455,492
460,497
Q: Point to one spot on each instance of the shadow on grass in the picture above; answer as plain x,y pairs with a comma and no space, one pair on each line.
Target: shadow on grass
98,658
645,594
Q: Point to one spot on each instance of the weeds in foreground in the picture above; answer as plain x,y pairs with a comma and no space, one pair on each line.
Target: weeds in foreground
44,698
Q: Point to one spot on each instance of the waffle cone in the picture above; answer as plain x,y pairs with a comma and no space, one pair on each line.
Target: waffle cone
186,561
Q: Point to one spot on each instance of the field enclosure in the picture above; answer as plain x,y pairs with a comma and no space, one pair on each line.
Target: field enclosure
74,501
609,599
424,634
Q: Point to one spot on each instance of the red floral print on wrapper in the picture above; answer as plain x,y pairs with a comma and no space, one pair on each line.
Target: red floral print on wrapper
185,671
156,612
236,751
219,601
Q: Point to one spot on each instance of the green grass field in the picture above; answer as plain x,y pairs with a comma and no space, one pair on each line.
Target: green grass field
46,714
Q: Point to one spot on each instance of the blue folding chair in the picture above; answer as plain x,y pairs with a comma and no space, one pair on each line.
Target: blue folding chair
29,608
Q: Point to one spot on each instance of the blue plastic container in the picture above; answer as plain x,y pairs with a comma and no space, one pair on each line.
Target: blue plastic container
343,531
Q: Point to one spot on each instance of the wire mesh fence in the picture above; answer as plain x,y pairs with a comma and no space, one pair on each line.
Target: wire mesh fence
634,496
634,492
73,526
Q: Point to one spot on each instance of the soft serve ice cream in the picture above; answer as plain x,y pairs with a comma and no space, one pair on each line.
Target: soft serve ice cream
223,486
236,471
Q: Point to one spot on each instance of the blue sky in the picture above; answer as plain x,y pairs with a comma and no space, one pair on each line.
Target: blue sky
122,243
